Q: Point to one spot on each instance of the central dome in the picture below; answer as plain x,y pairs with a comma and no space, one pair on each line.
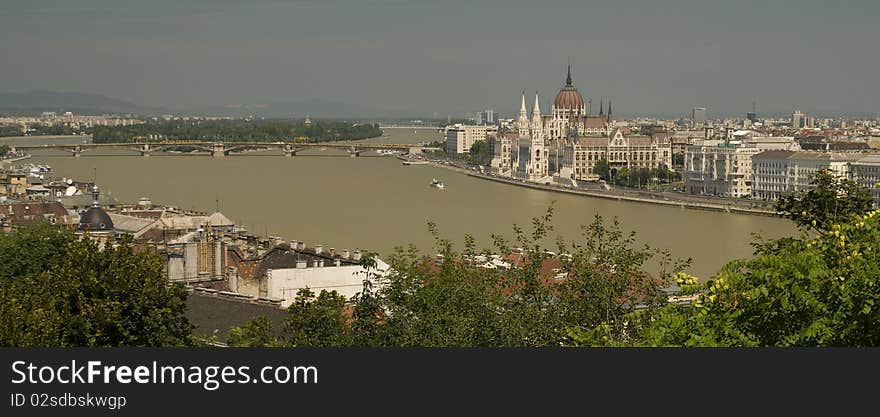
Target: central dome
569,97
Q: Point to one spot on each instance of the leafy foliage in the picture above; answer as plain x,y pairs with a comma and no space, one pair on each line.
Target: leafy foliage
4,149
256,333
454,300
830,200
479,153
56,290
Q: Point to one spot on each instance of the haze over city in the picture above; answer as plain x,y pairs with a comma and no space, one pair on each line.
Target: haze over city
653,58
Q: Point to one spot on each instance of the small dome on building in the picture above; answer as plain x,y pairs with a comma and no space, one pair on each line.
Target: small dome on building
95,219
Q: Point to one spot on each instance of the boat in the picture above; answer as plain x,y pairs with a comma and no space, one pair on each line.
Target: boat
415,163
437,184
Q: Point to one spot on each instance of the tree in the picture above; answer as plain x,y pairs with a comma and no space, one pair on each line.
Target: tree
4,149
602,169
479,153
314,322
454,300
56,290
819,291
256,333
830,200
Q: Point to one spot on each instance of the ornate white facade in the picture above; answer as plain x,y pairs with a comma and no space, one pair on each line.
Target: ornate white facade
536,149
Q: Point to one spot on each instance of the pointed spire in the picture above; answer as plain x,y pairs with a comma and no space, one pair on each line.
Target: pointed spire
536,111
601,109
568,77
522,109
609,109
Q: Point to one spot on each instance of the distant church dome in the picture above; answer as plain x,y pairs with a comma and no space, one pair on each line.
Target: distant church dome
569,97
95,219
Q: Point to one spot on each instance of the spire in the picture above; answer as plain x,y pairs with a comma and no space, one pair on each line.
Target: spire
523,112
536,111
609,109
601,109
568,77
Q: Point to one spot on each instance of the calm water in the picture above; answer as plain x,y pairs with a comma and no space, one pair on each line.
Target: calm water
376,203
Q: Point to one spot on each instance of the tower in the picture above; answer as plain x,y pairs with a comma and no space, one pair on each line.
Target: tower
523,122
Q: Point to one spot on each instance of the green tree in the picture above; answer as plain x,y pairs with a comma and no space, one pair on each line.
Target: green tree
819,291
256,333
479,153
602,169
315,321
454,300
4,149
830,200
56,290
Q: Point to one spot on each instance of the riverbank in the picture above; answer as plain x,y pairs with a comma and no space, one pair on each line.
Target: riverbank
645,198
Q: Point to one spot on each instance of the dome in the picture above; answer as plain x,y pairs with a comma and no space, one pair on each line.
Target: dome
569,97
95,219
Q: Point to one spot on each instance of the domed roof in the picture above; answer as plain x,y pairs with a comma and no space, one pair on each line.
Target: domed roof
95,219
569,97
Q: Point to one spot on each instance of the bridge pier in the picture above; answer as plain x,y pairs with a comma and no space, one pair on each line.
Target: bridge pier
77,151
290,151
146,150
218,150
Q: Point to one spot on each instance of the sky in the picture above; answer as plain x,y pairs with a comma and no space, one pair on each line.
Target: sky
650,57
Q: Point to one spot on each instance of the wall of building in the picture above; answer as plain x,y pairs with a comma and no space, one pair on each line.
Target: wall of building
285,283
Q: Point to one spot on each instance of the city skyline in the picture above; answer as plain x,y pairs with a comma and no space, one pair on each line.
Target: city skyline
650,59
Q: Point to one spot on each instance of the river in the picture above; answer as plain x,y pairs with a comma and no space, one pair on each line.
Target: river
376,203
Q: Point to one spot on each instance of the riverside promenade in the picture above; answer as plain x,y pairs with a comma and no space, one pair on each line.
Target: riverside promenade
684,201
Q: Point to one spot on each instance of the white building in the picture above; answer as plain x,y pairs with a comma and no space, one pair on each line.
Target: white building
724,167
460,138
866,171
778,173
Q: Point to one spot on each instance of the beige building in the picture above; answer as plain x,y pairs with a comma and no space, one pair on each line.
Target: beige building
621,151
866,171
724,167
460,138
778,173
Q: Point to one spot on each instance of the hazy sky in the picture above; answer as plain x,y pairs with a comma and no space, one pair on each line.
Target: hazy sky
649,56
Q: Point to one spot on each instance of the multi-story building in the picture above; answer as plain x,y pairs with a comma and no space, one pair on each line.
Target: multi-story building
866,171
724,167
621,151
460,138
777,173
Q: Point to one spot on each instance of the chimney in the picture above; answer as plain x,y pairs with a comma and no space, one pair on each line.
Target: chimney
293,244
357,255
319,248
346,254
300,245
332,252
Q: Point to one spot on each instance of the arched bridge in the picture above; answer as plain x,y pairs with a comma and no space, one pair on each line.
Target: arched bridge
220,149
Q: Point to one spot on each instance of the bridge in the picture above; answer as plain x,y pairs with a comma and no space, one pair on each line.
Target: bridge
221,149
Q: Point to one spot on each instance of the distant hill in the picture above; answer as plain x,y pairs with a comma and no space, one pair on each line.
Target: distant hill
80,103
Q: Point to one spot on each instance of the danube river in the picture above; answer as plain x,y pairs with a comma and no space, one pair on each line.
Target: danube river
376,203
